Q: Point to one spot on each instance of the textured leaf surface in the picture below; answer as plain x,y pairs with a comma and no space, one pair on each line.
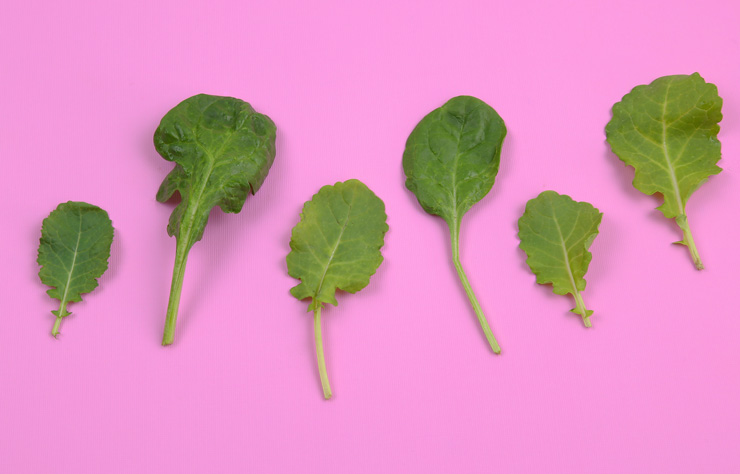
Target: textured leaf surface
73,251
555,233
452,156
667,131
451,161
336,244
223,150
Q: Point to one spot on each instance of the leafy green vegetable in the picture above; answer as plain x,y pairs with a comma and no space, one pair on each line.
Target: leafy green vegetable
667,131
555,233
336,245
73,253
451,161
223,150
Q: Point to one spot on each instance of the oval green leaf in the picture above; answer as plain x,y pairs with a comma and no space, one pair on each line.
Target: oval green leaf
451,161
336,245
556,233
452,157
73,253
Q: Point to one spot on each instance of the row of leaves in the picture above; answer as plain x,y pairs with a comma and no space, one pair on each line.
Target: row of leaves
223,149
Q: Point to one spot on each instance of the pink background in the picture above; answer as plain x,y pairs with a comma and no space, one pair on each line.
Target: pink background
653,387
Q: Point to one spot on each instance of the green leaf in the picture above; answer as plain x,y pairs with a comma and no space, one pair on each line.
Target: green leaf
73,253
451,161
667,131
555,233
452,157
223,151
336,245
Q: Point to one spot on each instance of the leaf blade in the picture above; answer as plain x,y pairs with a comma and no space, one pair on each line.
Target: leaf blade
336,244
452,156
223,150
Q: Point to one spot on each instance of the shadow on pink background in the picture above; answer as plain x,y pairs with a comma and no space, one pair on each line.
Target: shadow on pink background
652,388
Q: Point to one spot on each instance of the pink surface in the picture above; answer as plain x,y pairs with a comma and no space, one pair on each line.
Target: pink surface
653,387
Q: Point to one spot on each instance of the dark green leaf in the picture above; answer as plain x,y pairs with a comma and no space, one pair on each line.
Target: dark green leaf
452,157
451,161
223,150
73,252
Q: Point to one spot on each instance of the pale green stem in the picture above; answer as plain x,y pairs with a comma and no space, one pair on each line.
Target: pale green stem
581,308
58,320
320,353
688,239
455,237
178,275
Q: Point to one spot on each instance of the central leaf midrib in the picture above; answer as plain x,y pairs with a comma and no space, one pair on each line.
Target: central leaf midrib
565,253
195,204
454,169
664,146
74,260
333,252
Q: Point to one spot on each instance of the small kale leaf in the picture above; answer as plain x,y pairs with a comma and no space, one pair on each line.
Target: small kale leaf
73,253
223,150
556,232
667,130
335,245
451,161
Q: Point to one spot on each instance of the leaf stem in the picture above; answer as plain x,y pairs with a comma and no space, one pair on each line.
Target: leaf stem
59,315
178,275
57,323
581,308
55,329
320,353
455,238
688,240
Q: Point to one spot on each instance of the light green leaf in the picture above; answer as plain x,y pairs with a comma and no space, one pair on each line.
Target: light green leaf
555,233
223,151
73,253
336,245
667,131
451,161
